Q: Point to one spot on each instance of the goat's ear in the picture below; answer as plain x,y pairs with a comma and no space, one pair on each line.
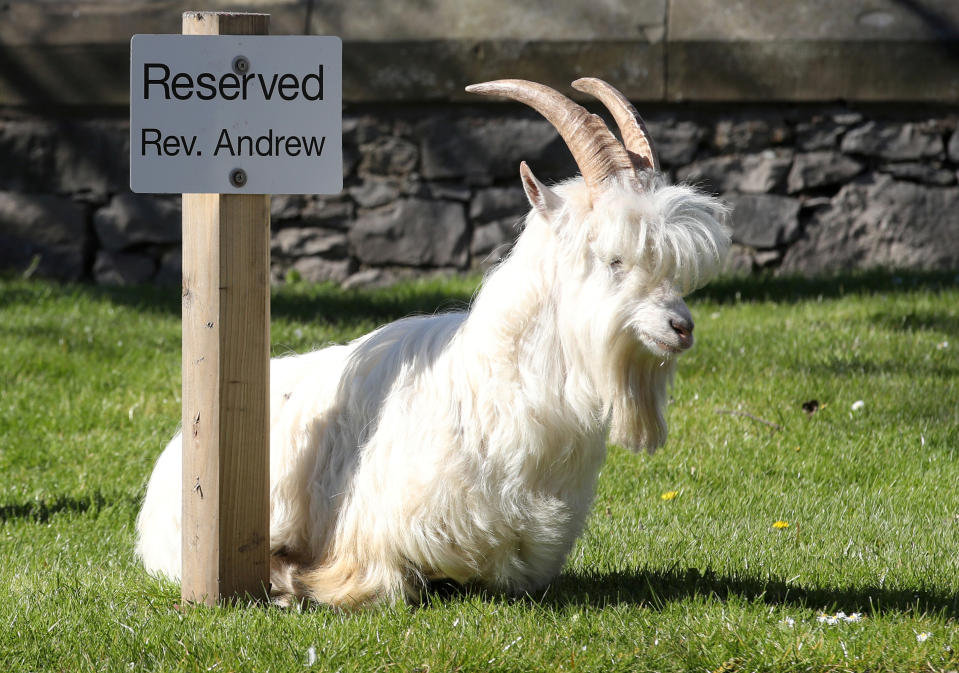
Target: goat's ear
541,197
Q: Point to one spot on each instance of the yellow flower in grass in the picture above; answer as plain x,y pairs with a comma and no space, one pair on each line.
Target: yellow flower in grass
781,524
669,495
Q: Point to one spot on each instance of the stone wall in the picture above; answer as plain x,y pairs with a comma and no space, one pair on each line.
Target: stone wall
435,187
740,96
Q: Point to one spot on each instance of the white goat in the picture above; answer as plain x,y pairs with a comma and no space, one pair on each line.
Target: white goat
467,446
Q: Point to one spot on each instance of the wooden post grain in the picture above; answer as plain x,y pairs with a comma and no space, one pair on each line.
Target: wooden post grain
226,375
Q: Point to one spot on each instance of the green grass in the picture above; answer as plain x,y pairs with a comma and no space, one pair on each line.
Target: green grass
89,394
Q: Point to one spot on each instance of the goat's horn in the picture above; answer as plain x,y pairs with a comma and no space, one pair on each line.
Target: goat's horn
596,150
631,126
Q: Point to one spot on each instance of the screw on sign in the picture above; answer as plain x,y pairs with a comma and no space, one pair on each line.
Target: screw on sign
238,177
241,65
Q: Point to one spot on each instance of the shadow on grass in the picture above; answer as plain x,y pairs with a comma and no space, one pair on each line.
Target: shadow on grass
918,320
860,366
656,590
333,305
787,289
301,302
42,510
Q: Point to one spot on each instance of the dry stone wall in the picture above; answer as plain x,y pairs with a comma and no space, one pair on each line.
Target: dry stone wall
432,188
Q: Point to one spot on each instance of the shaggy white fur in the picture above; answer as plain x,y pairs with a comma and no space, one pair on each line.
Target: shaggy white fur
467,445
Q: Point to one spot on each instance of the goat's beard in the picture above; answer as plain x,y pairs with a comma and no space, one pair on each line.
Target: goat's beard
639,389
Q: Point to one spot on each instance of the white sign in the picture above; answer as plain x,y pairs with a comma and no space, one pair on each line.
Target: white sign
252,114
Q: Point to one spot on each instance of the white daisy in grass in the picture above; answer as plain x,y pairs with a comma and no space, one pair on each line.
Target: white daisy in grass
924,636
839,618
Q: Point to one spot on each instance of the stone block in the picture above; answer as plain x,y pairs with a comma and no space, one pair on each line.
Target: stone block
676,143
466,147
319,270
875,50
926,173
810,71
445,191
77,52
496,203
89,157
739,262
894,141
953,148
363,129
714,174
309,242
750,135
287,207
430,70
812,203
824,168
412,232
753,173
327,213
819,134
370,278
492,240
372,192
47,231
765,172
170,269
859,20
766,258
763,220
136,219
847,118
472,20
27,147
388,155
351,159
880,222
92,157
123,268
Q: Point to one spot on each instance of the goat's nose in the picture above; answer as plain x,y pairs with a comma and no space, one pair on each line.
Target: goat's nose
683,328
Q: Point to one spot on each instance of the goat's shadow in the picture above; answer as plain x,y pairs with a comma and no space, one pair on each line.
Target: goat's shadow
794,288
656,589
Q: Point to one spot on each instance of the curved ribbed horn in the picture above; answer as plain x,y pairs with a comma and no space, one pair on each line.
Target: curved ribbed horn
596,151
635,137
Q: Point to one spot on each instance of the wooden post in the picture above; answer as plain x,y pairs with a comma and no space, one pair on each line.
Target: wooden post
226,376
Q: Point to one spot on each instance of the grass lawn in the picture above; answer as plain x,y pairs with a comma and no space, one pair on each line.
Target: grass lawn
682,566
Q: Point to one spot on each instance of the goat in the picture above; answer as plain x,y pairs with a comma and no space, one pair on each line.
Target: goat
467,446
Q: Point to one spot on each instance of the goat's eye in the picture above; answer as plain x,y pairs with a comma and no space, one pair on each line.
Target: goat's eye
616,264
